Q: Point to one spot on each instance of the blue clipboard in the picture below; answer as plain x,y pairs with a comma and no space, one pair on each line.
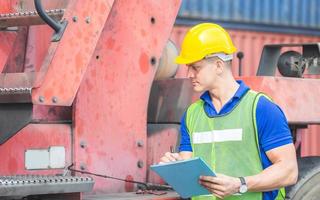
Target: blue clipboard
184,175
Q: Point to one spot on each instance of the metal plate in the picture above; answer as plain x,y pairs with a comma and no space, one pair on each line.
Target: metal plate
23,185
169,99
13,117
65,60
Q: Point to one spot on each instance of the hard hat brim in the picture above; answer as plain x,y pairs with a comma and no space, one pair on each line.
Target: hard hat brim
184,61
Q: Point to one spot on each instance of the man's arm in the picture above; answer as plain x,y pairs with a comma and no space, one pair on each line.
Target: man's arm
283,172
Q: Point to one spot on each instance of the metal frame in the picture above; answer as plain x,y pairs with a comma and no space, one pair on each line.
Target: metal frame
271,53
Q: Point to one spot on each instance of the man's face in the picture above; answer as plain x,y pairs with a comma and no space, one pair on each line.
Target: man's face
203,74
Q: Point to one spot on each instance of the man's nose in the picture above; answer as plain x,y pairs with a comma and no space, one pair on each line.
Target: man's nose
190,73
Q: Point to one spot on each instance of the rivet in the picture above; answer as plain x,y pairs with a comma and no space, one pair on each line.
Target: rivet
140,164
83,144
41,99
83,166
88,20
54,99
140,143
74,18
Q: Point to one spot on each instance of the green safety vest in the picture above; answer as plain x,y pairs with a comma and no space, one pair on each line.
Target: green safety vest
228,143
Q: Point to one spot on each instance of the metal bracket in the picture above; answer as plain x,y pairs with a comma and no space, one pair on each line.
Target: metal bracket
58,27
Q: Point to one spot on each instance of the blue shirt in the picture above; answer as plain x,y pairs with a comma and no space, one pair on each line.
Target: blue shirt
272,125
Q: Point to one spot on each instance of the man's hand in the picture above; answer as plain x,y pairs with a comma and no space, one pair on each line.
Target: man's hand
221,186
170,157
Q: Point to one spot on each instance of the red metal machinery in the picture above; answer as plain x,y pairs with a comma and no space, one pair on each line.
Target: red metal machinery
85,103
89,98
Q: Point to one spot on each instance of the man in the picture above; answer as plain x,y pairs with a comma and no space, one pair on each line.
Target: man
240,133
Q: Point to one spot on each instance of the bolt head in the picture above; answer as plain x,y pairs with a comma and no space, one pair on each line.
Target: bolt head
88,20
41,99
54,99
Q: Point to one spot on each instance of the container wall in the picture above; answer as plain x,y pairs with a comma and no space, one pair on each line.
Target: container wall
251,44
294,16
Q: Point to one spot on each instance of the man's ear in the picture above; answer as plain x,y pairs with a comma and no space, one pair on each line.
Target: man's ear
220,66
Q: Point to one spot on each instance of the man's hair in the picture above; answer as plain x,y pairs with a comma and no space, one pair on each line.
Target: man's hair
214,58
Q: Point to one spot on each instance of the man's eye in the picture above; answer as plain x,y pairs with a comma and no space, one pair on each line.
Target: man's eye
196,68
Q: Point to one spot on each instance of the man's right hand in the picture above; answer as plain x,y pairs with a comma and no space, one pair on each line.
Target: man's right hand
170,157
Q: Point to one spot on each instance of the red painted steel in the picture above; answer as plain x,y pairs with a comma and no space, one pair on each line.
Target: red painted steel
34,136
37,47
7,38
310,139
286,92
65,60
8,6
7,41
15,62
161,139
111,105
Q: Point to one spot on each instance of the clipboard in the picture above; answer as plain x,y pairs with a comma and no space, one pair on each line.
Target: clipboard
184,175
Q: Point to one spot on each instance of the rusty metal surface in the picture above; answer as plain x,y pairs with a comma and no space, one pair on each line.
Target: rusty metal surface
34,136
17,80
65,60
15,62
9,6
37,47
51,114
111,105
161,138
27,18
7,42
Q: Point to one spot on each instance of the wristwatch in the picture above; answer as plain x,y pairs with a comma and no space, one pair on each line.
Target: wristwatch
243,187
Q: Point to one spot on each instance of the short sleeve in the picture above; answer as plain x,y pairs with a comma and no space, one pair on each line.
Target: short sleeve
185,144
272,125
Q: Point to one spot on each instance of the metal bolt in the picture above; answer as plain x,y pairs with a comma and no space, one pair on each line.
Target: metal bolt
140,143
41,99
140,164
82,167
54,99
83,144
88,20
74,18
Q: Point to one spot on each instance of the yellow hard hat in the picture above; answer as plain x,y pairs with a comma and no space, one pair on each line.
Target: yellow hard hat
203,40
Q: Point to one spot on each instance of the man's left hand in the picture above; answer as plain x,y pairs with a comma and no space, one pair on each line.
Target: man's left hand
221,186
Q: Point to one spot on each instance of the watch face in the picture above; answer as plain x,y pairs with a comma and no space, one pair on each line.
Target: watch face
243,189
